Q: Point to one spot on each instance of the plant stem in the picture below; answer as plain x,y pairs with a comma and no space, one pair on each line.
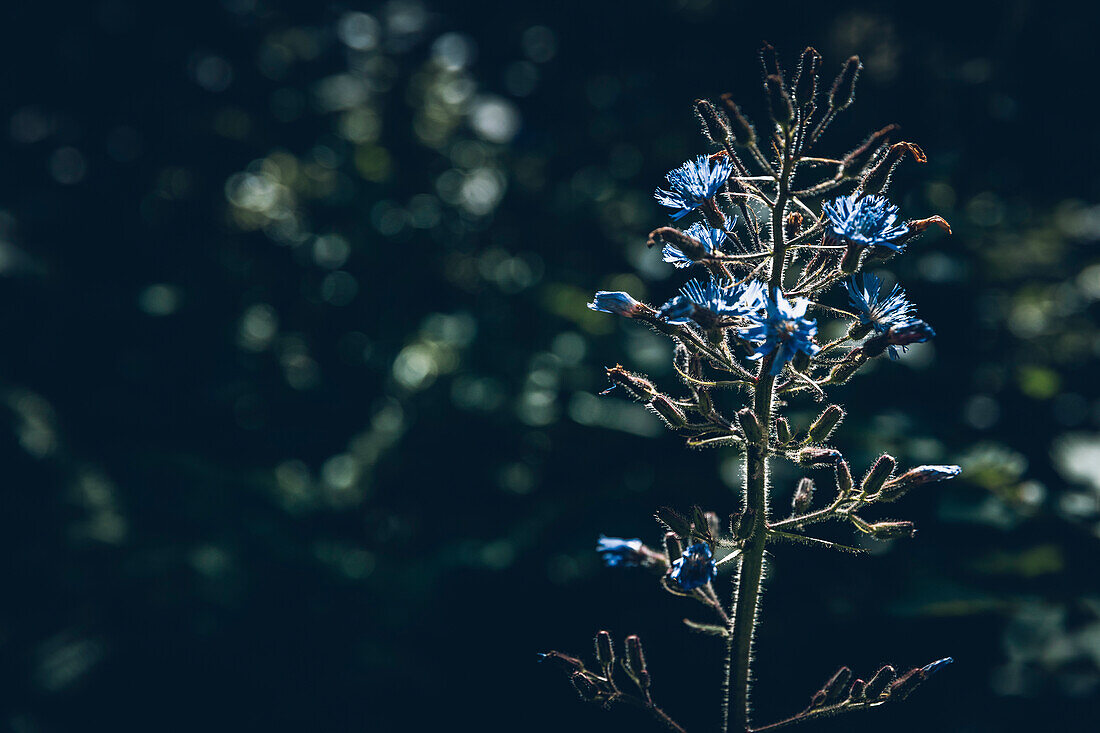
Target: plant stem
751,575
750,578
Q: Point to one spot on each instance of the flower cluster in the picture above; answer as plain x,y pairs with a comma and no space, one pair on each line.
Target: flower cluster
744,326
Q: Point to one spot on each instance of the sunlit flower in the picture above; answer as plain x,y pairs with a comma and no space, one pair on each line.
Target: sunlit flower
711,239
619,552
866,221
876,311
693,183
706,303
618,302
695,568
782,329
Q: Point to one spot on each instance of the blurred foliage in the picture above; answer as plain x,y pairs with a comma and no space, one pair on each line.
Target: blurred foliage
301,422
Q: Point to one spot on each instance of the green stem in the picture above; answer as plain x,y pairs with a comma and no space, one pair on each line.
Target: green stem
751,575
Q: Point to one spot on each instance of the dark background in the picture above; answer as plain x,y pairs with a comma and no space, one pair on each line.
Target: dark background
298,405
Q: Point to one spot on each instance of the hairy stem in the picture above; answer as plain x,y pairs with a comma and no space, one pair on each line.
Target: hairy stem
751,574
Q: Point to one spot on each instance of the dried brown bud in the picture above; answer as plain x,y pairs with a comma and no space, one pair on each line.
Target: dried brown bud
692,248
917,226
844,88
636,385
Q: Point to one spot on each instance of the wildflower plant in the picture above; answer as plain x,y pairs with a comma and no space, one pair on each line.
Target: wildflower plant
782,237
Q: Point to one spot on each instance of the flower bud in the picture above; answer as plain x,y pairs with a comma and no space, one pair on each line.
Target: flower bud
858,330
877,475
905,684
848,366
892,530
636,385
635,657
843,478
779,102
673,548
837,685
742,130
936,666
858,691
586,687
783,431
818,457
805,86
880,682
715,125
803,495
877,178
605,652
825,423
897,487
563,662
691,247
844,88
618,303
668,411
750,426
861,156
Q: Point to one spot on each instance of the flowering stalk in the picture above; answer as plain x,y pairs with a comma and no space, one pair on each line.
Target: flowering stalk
753,303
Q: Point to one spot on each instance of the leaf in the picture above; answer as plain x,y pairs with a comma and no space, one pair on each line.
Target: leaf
674,522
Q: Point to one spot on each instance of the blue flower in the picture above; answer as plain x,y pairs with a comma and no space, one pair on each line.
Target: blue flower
876,311
617,551
619,303
912,331
711,239
936,666
865,221
693,183
695,568
782,329
706,303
